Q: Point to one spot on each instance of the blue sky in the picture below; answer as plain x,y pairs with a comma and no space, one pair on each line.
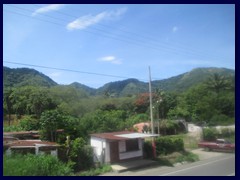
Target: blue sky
117,39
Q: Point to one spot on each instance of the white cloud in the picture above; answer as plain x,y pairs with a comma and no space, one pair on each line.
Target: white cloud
51,7
107,58
175,29
88,20
111,59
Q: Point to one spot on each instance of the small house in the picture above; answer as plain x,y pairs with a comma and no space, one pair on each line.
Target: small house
118,146
30,146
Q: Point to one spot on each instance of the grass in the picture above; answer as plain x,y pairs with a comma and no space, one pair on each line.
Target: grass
177,157
96,171
34,165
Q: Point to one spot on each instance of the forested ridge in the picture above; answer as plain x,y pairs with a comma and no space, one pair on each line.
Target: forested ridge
202,96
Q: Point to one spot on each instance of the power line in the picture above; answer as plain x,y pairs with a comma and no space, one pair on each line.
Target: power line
92,32
165,45
106,34
75,71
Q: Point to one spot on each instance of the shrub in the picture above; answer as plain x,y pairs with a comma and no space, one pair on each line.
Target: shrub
166,145
12,128
28,123
209,134
34,165
81,154
147,149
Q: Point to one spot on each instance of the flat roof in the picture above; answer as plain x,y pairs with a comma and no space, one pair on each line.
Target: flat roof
137,135
28,143
122,135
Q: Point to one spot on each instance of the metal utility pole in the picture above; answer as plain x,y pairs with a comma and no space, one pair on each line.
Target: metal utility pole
151,114
150,97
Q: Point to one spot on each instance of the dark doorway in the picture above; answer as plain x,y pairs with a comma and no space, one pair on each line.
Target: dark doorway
114,152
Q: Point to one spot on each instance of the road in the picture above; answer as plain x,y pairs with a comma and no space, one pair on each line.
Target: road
223,165
210,164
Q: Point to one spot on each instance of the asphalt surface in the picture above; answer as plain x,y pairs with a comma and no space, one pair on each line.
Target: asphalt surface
210,164
223,165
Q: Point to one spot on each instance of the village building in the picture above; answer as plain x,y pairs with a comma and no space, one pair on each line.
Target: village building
118,146
30,146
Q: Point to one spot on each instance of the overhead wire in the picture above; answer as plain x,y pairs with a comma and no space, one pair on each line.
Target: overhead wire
70,70
152,39
135,41
106,34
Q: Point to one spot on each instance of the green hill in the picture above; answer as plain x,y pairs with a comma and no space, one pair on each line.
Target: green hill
89,90
25,76
184,81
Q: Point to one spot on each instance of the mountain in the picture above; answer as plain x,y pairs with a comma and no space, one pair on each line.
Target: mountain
25,76
89,90
178,83
186,80
123,88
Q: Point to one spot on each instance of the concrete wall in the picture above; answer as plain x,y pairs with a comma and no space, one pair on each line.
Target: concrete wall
100,149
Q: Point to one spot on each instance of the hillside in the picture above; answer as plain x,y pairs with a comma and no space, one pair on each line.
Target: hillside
123,88
177,83
189,79
89,90
24,76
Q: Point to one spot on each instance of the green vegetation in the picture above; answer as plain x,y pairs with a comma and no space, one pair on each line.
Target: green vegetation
169,150
211,134
32,101
166,145
177,157
32,165
96,171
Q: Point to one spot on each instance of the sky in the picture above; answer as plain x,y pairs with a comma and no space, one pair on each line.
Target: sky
96,44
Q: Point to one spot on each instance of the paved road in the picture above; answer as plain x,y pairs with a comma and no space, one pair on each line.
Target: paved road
210,164
223,165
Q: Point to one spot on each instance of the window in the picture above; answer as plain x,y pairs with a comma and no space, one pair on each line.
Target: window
132,145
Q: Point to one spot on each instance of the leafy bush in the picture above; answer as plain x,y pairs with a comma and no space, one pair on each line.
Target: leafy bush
147,149
28,123
166,145
81,154
34,165
221,119
209,134
12,128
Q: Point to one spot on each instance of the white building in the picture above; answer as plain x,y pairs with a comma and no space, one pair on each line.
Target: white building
118,146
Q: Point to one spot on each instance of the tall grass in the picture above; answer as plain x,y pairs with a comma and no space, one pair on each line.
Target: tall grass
34,165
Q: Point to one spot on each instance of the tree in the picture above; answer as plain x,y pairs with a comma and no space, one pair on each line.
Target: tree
218,82
40,100
49,123
103,121
81,154
7,103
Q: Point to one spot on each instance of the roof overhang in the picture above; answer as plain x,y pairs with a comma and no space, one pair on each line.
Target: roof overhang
136,135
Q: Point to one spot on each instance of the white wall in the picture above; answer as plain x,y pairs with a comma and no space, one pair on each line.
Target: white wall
98,145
